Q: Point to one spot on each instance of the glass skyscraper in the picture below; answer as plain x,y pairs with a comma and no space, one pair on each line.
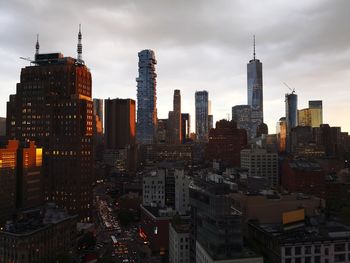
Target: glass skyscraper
291,110
255,92
241,115
291,115
146,98
201,100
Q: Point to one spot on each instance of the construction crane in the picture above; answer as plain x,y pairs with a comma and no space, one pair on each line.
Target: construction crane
27,59
292,90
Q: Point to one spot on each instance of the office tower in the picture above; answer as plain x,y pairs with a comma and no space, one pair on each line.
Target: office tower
120,133
21,178
8,160
29,176
261,163
281,133
210,117
98,116
146,98
201,101
291,110
119,123
329,137
53,107
255,92
303,144
241,115
97,129
225,143
210,122
177,116
185,127
311,116
174,120
291,116
317,104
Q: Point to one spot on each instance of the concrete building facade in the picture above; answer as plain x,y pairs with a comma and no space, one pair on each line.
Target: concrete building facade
261,163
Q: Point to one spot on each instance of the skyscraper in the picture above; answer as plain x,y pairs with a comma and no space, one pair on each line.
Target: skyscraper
255,91
241,115
98,116
53,107
291,116
291,111
210,117
185,126
146,98
311,116
281,132
120,133
201,101
97,129
174,123
119,123
317,109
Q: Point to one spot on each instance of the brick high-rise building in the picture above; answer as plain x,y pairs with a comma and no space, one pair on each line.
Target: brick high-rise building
119,123
21,178
226,142
97,129
53,107
120,131
8,160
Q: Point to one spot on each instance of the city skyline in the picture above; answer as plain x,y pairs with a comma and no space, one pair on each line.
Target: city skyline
302,44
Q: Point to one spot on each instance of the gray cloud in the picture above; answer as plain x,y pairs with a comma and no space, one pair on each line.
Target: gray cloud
199,44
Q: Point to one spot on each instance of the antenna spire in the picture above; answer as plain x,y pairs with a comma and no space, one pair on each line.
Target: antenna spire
80,47
37,46
254,47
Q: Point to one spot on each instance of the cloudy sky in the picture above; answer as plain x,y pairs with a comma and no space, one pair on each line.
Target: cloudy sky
199,45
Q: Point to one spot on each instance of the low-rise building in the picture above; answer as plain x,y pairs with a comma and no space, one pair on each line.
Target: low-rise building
38,235
309,243
268,207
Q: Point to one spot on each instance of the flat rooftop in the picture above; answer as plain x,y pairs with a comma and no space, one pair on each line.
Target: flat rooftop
307,233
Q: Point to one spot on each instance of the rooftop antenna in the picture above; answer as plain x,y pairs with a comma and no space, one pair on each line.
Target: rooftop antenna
37,46
254,46
80,47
